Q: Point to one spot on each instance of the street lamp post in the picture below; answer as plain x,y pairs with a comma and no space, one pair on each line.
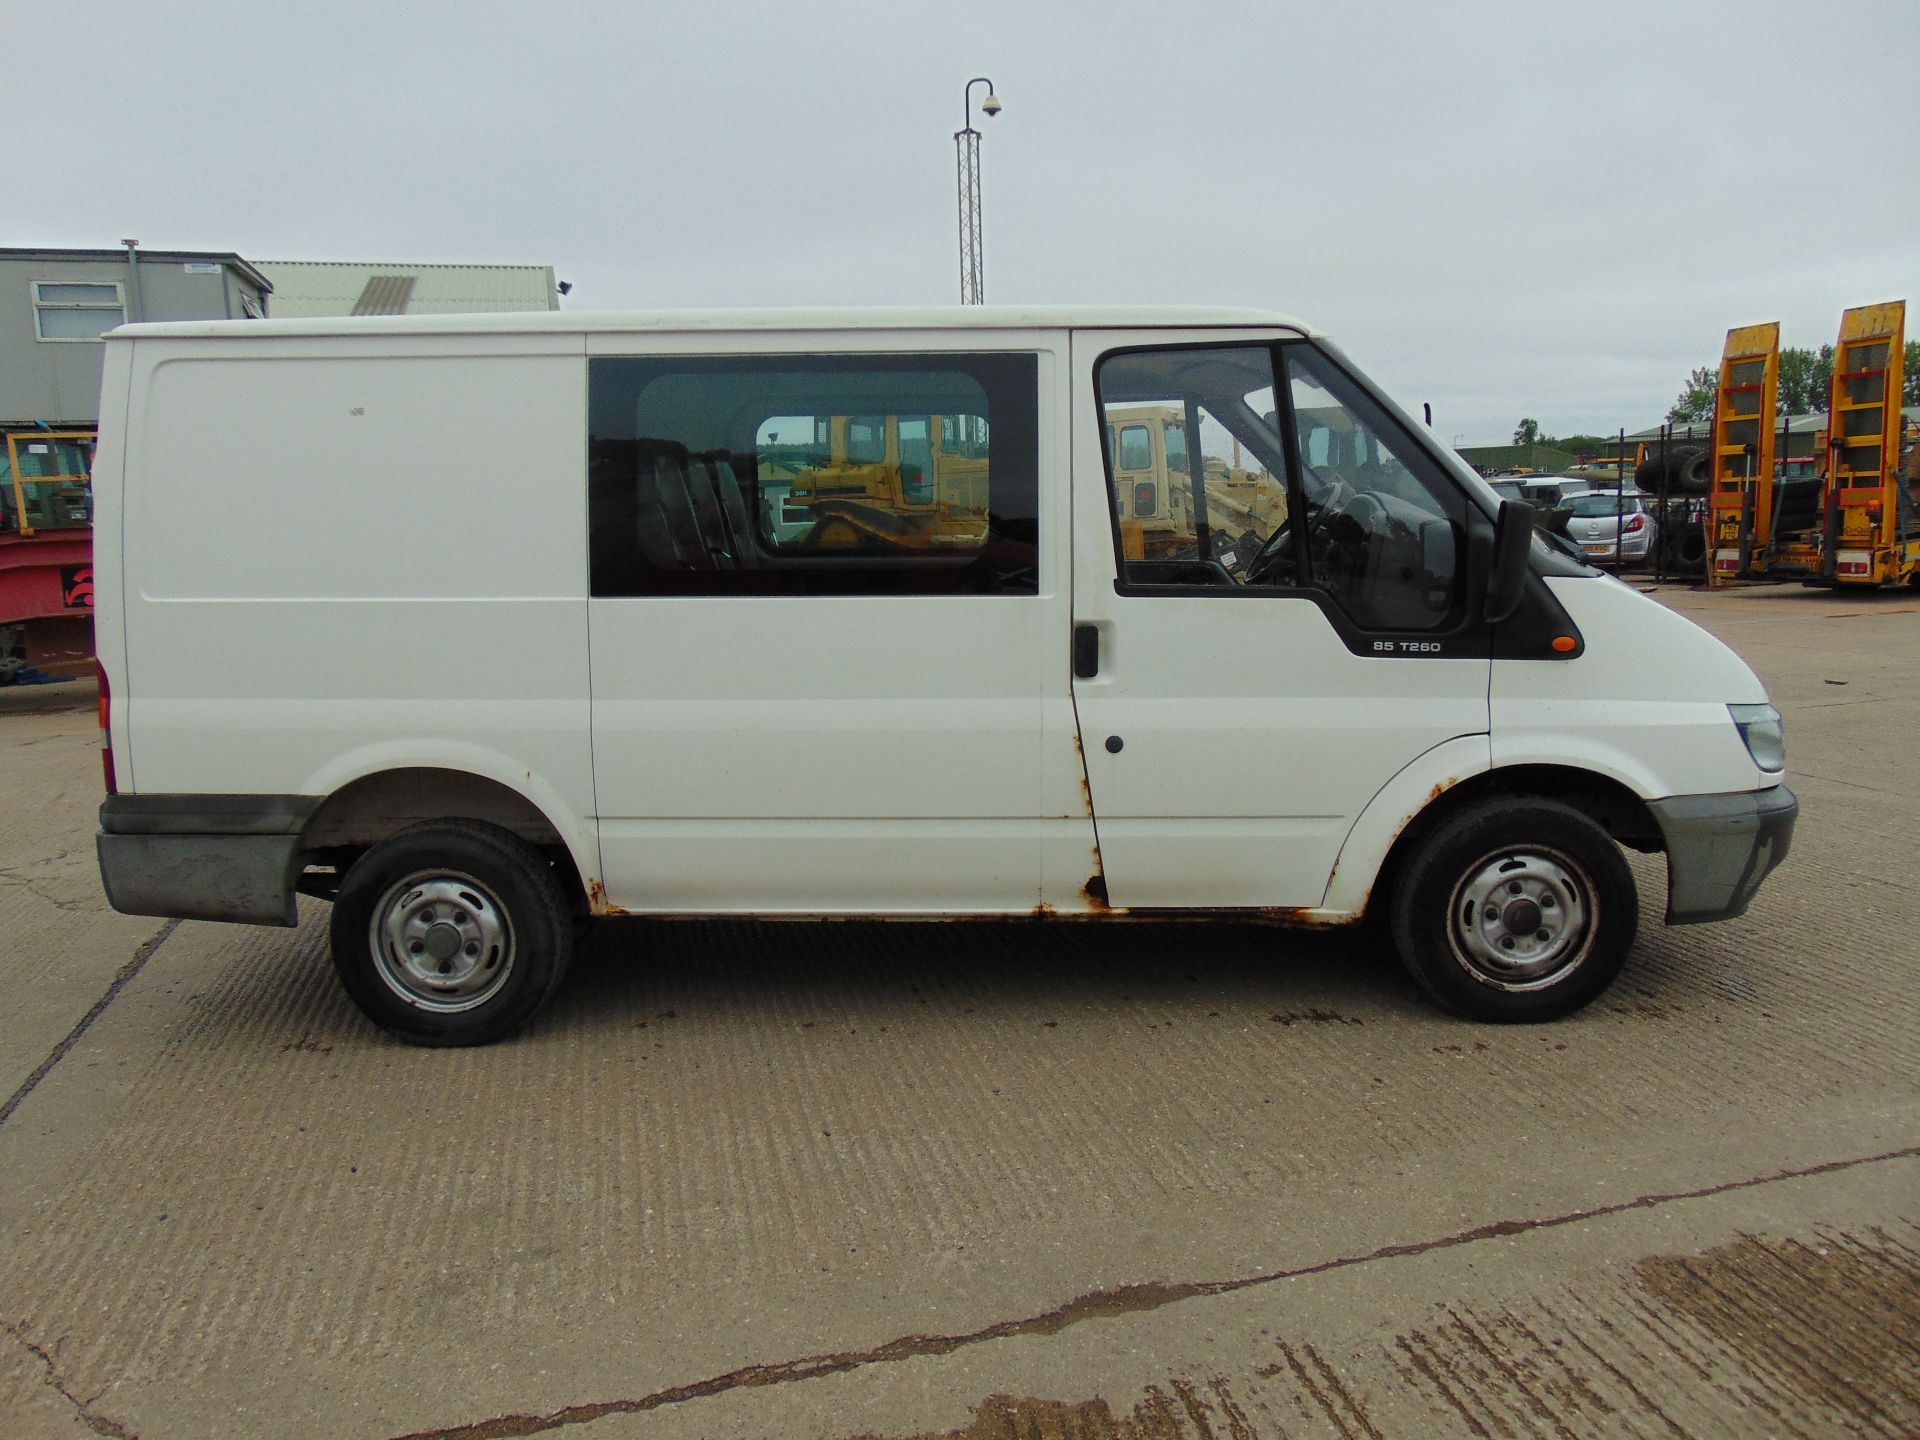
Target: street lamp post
966,144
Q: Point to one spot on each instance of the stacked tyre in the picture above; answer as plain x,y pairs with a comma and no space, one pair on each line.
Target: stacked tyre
1683,547
1684,471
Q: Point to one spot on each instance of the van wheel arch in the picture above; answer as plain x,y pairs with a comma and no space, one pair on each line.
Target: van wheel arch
1617,810
376,807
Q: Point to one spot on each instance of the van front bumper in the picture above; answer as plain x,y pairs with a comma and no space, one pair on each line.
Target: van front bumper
203,857
1720,847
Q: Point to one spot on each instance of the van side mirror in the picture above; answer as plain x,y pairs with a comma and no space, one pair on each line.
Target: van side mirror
1512,541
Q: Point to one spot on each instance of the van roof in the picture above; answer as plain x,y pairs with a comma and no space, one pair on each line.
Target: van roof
939,317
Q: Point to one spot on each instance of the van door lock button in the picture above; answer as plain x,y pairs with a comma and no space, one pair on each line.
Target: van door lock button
1115,744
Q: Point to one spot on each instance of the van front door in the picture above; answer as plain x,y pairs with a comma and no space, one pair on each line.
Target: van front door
1245,686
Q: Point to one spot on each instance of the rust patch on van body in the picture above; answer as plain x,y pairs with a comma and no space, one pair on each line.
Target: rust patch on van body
1303,916
1086,788
1399,830
1094,892
597,902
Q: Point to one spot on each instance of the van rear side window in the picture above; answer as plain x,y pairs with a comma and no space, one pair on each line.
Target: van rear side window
826,475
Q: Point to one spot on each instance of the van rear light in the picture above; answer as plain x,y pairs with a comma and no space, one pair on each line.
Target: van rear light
1145,498
106,731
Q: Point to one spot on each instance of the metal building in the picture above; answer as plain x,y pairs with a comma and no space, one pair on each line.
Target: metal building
56,304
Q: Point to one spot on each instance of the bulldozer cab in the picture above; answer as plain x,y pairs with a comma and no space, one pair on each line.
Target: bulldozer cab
44,481
905,481
1180,498
1152,483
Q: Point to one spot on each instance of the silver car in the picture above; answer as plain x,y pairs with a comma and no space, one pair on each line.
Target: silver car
1613,525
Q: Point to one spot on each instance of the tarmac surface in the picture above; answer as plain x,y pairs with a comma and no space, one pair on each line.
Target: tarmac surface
985,1180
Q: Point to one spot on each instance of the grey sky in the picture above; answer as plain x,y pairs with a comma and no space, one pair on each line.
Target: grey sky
1505,209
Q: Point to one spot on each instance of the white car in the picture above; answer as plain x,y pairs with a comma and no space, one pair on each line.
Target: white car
1613,525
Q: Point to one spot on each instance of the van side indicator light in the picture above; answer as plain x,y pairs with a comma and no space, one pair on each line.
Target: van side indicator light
1564,643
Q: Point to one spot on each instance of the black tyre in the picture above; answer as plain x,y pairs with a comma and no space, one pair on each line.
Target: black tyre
451,933
1515,909
1690,549
1685,470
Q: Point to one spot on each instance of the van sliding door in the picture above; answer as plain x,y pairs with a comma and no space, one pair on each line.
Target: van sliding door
828,625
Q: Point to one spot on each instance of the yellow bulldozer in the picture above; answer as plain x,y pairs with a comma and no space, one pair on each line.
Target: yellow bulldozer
912,482
1153,486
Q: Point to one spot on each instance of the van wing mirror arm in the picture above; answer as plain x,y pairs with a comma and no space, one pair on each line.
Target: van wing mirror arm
1512,546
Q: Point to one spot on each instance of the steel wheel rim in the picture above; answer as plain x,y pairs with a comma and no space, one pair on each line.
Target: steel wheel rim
1523,918
442,941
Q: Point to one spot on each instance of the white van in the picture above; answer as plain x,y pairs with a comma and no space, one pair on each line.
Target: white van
481,626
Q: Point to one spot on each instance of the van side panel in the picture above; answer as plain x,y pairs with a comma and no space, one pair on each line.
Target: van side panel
355,554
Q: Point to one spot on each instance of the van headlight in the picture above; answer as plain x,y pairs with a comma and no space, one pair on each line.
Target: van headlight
1766,737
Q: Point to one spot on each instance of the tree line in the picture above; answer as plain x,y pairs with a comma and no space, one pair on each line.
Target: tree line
1528,432
1806,378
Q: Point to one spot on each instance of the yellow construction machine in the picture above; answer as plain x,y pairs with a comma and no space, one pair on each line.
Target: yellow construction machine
912,482
1153,486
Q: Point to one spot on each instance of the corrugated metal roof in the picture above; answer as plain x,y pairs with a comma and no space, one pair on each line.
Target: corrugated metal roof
385,295
311,289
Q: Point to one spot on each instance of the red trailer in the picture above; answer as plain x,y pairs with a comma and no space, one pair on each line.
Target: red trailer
46,546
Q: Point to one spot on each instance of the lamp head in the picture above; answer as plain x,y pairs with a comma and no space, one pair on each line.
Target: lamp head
991,105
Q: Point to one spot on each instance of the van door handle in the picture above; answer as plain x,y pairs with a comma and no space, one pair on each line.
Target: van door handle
1086,651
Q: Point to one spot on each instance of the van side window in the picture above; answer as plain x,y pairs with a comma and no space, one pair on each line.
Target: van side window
826,475
1385,526
1210,509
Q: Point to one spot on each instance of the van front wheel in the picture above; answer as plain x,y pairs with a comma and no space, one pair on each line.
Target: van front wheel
1516,909
451,933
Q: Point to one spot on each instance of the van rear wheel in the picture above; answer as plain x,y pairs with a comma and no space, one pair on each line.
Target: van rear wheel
1516,909
451,933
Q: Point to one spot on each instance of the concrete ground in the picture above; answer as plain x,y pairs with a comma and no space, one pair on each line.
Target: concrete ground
985,1180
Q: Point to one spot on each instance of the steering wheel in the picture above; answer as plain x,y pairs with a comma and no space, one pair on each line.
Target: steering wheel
1358,516
1274,551
1335,500
1363,508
